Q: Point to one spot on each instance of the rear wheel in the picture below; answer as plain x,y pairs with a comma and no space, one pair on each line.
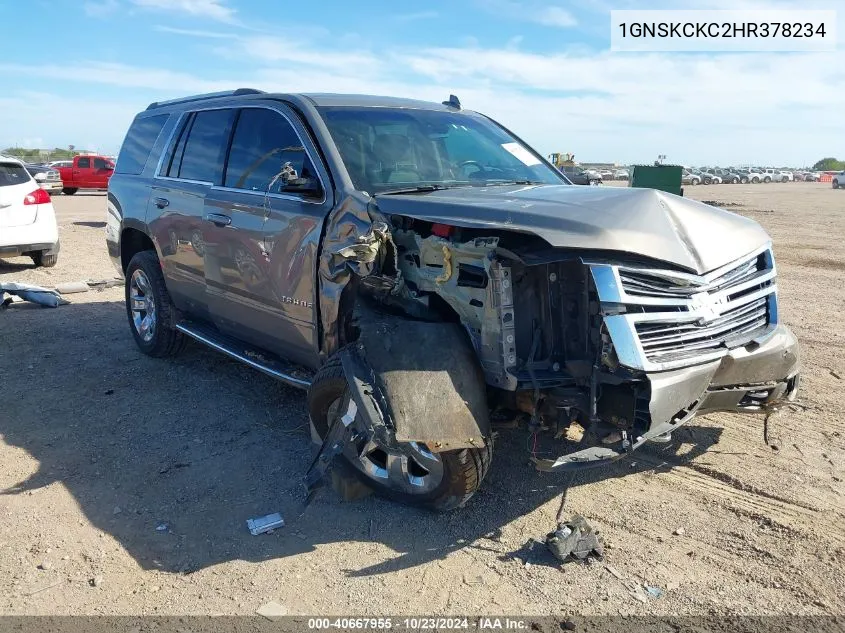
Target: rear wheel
836,184
69,191
149,308
407,472
44,259
767,179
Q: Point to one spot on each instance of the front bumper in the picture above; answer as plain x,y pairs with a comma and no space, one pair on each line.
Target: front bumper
750,379
51,186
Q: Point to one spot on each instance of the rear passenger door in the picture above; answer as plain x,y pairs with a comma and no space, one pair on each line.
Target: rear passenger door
190,167
262,280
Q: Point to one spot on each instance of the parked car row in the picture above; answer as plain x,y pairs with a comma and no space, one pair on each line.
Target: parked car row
746,175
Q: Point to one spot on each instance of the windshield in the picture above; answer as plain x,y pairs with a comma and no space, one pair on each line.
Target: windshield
390,149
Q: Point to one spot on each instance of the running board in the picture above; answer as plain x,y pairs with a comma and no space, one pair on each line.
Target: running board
257,359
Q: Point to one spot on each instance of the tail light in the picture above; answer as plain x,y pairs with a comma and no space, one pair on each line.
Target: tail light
39,196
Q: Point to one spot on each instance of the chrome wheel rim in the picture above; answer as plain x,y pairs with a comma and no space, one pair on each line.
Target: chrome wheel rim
406,467
142,304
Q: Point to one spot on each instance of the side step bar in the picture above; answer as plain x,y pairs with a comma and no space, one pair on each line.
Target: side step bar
257,359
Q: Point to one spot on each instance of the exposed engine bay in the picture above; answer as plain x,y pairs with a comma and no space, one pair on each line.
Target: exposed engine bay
604,351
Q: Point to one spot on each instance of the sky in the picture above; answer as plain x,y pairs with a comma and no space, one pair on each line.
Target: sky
77,71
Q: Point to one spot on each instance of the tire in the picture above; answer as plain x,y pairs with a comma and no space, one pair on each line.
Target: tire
69,191
836,184
767,179
44,260
161,339
755,181
463,469
744,180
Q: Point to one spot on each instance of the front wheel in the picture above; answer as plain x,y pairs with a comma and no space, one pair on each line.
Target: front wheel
408,472
836,184
767,180
149,308
69,191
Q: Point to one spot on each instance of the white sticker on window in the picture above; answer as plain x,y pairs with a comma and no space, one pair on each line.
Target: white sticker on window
526,157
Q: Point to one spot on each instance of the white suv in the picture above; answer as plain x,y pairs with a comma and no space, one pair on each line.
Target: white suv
776,175
27,220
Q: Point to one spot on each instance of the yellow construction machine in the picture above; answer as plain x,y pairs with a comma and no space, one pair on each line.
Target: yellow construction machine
560,159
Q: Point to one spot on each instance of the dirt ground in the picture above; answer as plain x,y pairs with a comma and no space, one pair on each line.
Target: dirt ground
126,482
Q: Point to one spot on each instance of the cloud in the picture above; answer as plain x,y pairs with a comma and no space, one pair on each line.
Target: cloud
101,9
556,16
192,32
698,109
536,11
211,9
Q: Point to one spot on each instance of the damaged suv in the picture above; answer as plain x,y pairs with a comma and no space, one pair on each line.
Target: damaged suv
420,271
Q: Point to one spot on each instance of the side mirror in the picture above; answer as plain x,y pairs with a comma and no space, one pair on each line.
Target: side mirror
303,186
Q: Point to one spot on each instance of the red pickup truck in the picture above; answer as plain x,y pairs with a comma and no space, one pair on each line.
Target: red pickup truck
87,172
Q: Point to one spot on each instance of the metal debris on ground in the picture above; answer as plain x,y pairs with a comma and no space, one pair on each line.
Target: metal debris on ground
574,540
35,294
654,592
71,287
104,283
162,527
262,525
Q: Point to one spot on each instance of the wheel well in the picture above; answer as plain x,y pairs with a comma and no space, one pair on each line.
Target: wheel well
133,241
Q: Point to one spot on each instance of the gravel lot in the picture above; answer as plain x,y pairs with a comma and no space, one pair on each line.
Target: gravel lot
126,481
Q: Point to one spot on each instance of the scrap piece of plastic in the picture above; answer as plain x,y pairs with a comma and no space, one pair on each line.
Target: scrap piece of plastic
264,524
35,294
574,540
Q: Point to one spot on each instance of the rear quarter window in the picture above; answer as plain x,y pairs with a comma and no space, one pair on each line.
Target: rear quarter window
13,174
139,143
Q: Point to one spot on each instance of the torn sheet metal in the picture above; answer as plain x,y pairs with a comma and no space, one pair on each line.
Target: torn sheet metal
35,294
355,232
430,379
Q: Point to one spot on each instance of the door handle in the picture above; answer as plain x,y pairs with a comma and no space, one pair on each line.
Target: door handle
161,202
219,219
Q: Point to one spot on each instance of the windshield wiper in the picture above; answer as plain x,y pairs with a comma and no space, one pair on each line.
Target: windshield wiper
491,183
417,189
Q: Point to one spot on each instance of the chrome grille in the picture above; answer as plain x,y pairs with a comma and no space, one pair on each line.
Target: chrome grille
664,341
672,319
668,284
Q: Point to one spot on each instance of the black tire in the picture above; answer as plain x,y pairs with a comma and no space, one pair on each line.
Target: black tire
463,469
166,341
735,181
836,184
69,191
43,259
767,179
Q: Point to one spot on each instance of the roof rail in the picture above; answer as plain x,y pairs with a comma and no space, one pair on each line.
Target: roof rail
210,95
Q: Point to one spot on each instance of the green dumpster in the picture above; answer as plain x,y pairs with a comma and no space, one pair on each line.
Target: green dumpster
663,177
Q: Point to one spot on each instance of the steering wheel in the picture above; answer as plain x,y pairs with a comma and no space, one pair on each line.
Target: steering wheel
474,163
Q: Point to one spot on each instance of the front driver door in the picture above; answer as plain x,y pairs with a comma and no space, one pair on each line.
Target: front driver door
262,286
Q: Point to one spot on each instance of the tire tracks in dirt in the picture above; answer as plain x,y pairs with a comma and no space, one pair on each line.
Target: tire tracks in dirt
801,519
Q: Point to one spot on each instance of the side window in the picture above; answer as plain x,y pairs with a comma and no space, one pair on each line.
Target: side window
265,151
100,163
173,157
83,163
205,147
138,144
